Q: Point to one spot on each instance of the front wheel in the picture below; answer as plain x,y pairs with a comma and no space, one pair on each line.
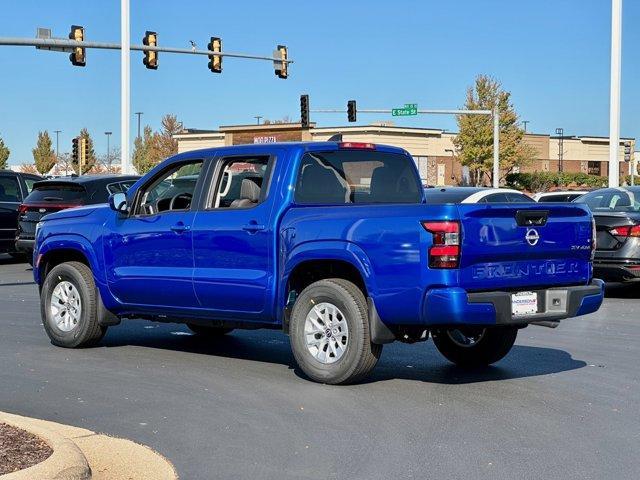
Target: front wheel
329,333
68,304
473,347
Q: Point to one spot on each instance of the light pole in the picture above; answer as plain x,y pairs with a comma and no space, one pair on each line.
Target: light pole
258,117
139,114
108,134
524,122
614,99
57,132
453,154
560,133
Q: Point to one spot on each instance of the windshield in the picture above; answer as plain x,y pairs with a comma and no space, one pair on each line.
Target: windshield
612,200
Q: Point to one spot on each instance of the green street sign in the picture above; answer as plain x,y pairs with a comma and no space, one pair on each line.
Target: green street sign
408,109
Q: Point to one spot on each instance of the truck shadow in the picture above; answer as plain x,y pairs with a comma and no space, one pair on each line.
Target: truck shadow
420,362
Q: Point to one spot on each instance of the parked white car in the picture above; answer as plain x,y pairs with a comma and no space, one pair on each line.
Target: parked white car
558,196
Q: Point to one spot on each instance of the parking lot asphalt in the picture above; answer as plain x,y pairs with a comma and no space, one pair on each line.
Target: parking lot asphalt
563,404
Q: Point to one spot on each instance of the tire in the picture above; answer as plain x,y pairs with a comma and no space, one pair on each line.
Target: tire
350,329
206,331
83,330
491,345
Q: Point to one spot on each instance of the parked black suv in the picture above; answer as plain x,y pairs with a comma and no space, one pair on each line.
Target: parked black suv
57,194
14,187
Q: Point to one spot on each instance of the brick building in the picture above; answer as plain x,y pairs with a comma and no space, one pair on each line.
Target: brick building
432,148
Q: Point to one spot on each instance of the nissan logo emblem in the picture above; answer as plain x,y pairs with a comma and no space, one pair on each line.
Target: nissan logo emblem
532,236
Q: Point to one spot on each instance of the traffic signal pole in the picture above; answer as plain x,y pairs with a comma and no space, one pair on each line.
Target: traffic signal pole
125,91
493,113
614,105
279,59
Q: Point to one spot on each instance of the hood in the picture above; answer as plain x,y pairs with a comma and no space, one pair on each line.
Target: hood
76,212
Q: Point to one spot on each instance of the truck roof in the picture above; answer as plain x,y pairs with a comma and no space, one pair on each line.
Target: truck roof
267,147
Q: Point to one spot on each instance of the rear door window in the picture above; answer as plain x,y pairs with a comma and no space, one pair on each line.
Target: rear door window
350,176
9,189
57,192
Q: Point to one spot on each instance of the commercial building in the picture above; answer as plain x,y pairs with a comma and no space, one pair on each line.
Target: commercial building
432,148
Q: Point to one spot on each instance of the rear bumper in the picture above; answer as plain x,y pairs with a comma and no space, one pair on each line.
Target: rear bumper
617,272
25,246
455,306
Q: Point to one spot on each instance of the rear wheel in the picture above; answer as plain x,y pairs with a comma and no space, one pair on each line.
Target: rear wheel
474,347
207,331
329,333
68,304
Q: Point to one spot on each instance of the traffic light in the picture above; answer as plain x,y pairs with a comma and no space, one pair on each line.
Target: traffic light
75,157
281,66
351,110
150,59
83,153
215,61
77,57
627,151
304,111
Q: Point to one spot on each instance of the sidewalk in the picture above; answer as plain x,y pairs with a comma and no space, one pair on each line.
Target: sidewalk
80,454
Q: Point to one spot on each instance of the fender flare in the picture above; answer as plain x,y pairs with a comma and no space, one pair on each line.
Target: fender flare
334,250
82,245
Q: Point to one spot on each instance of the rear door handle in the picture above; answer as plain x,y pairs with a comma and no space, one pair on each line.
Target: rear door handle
253,227
179,227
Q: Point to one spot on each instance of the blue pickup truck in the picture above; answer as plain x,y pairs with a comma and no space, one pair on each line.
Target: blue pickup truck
332,243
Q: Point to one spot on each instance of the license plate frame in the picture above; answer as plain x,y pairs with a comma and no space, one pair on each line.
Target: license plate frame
524,303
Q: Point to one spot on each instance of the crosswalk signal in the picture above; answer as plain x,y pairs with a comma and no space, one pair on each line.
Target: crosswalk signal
281,66
351,110
77,57
150,59
304,111
75,157
215,61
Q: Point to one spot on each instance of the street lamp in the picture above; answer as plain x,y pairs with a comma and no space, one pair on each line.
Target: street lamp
139,114
453,154
57,132
108,134
258,117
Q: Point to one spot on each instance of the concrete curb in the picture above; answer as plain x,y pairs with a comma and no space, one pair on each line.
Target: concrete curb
67,462
81,454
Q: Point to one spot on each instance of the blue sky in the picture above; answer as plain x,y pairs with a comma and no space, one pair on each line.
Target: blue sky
553,55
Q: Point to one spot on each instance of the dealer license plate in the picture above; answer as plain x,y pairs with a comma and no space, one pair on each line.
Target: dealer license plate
524,303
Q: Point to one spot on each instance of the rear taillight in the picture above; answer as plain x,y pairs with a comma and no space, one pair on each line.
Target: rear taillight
626,231
22,209
445,250
594,236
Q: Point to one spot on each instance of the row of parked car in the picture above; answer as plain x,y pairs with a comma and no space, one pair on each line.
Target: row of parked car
26,198
616,212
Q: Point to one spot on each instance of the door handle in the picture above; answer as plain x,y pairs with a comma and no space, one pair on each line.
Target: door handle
253,227
179,227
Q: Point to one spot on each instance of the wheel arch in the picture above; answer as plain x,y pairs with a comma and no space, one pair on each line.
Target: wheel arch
314,261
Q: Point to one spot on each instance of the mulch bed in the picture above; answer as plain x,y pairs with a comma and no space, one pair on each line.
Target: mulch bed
20,449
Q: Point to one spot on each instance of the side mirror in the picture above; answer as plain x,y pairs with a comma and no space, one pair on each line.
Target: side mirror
118,202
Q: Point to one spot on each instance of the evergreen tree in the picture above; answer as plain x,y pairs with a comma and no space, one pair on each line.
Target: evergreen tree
4,154
43,155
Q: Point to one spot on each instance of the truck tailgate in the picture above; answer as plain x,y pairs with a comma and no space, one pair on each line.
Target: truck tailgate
524,246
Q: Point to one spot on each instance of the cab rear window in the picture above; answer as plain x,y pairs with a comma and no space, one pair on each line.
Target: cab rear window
347,177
